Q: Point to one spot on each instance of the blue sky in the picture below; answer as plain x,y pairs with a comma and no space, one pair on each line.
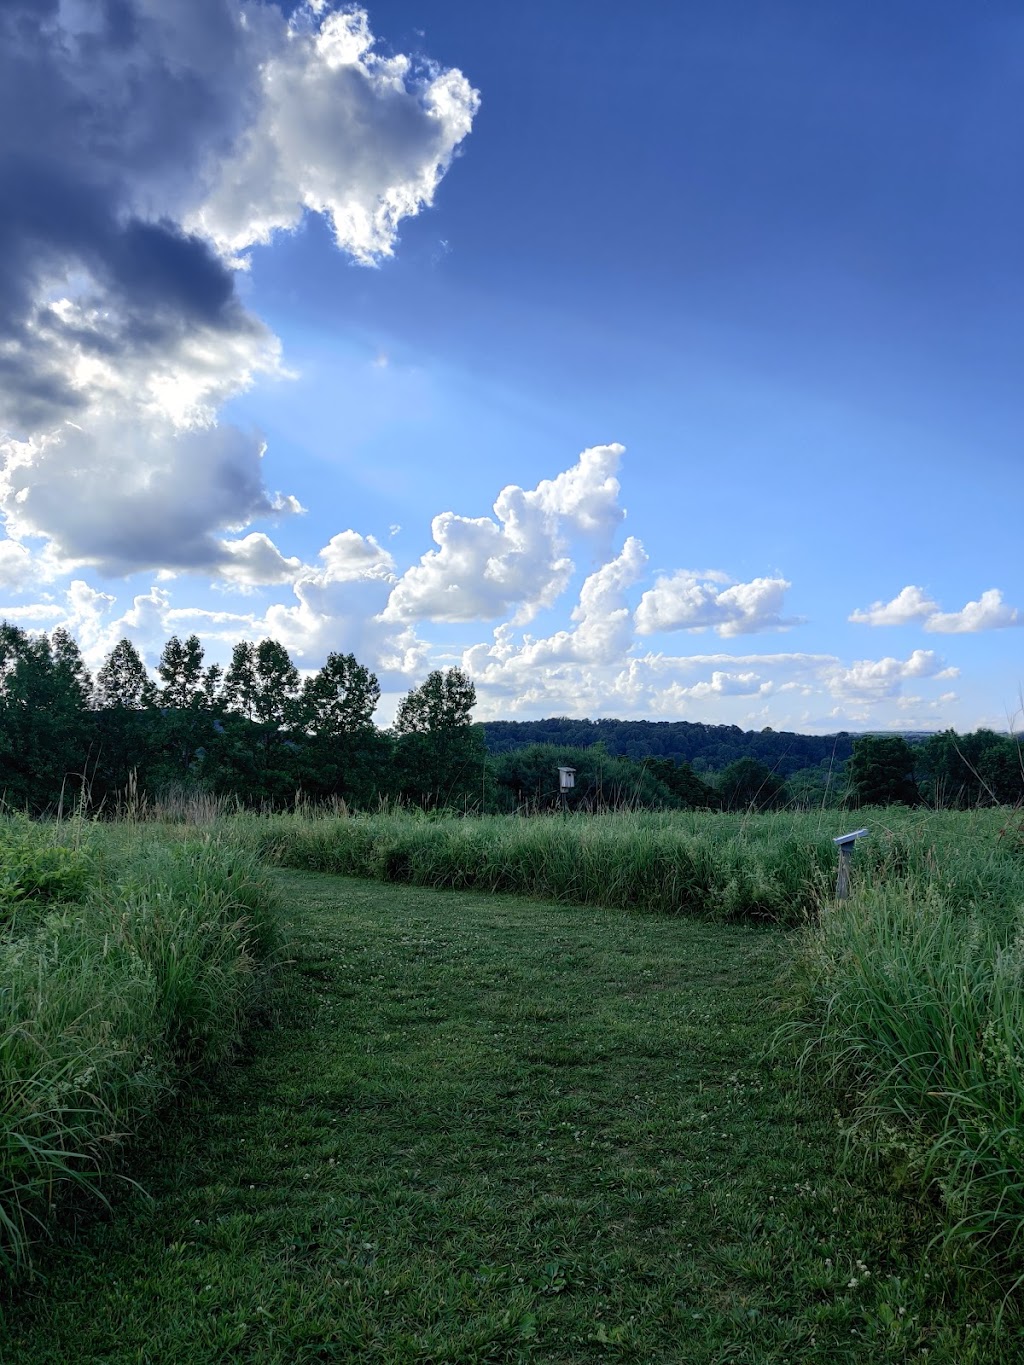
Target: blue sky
657,362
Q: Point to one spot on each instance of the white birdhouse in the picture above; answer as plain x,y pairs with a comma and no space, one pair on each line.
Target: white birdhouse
566,779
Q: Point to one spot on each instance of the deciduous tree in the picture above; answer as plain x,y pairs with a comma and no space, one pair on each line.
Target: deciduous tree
181,669
441,756
881,771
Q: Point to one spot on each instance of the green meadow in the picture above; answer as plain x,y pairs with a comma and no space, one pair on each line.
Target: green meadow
407,1088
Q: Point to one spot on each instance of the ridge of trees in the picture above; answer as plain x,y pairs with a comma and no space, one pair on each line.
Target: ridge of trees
260,731
707,748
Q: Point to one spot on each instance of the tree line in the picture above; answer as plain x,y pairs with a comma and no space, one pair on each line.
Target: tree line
260,731
256,728
706,748
944,771
766,769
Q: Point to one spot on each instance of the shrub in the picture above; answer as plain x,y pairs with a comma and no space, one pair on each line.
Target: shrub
36,868
108,1006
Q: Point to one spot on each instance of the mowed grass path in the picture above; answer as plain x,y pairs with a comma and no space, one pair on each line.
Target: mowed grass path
493,1130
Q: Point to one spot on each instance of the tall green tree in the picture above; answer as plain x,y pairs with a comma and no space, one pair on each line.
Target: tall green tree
345,754
440,756
46,731
689,791
69,668
980,769
340,698
241,685
185,731
181,671
122,680
262,683
881,771
747,784
277,684
124,700
443,701
256,748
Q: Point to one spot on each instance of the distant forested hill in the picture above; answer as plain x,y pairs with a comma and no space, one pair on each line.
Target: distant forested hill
707,748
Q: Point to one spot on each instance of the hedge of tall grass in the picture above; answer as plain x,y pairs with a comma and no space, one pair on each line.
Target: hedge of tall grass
915,992
774,867
706,865
127,964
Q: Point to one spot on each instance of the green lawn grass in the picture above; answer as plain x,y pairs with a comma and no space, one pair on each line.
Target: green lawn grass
486,1129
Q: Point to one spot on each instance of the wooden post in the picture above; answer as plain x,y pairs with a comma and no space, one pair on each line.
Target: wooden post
843,879
845,843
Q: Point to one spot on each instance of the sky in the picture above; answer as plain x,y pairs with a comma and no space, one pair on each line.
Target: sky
651,361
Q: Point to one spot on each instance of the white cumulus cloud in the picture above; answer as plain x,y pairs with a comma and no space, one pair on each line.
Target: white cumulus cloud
883,678
17,570
340,606
723,684
338,129
141,496
687,600
255,561
602,634
518,559
989,612
910,604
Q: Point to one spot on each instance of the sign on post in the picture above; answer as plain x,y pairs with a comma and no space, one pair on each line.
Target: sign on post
845,844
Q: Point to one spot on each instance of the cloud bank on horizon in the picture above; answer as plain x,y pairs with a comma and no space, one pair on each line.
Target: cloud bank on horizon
166,143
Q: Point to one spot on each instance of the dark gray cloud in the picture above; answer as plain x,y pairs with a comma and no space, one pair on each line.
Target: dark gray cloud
104,126
143,143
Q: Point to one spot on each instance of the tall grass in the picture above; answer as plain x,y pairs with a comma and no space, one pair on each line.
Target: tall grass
914,990
112,993
719,866
776,867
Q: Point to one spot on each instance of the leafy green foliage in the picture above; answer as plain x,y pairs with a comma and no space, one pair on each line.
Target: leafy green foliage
747,784
44,690
123,682
444,701
707,748
277,685
881,771
37,869
340,699
181,671
440,757
251,732
689,791
978,769
528,780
